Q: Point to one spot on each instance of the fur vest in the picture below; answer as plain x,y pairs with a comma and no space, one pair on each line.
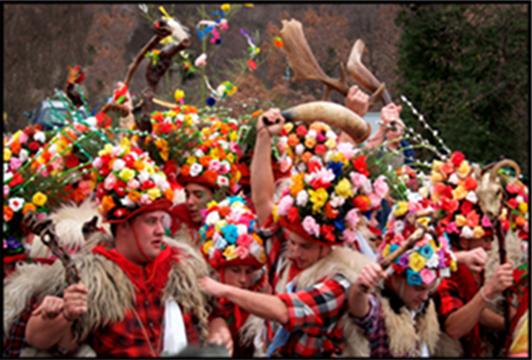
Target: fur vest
111,293
401,330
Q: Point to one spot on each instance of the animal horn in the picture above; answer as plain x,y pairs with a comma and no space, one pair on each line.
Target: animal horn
332,114
504,163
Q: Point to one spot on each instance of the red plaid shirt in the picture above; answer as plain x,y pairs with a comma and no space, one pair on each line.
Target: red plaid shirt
453,293
140,336
15,340
313,318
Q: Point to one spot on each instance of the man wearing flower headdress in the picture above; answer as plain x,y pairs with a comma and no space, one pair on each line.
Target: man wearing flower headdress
312,275
138,295
399,319
208,171
463,299
236,253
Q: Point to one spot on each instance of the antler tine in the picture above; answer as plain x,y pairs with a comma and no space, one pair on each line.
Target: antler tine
363,76
302,59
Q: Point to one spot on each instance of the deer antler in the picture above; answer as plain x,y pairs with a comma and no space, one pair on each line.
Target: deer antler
302,60
504,163
363,76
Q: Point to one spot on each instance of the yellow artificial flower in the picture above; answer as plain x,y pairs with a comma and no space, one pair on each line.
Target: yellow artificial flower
331,144
401,208
459,192
107,149
386,250
154,193
230,158
7,154
436,177
453,265
460,220
167,40
275,214
416,262
225,7
179,95
344,188
318,198
233,136
288,127
39,199
230,252
125,143
463,170
297,184
424,220
126,174
338,157
523,207
207,246
310,142
478,232
436,166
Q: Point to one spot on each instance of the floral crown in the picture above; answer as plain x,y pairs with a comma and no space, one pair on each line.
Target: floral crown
428,259
514,213
214,161
229,236
454,192
129,182
326,203
299,144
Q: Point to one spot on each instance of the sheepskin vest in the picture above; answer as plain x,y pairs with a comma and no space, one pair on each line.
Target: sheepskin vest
405,335
111,293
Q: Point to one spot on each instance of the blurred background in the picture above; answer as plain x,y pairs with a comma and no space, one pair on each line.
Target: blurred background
465,67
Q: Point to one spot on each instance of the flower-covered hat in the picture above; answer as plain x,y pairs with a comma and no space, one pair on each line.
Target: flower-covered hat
326,203
514,212
213,162
454,193
428,259
301,143
229,236
129,183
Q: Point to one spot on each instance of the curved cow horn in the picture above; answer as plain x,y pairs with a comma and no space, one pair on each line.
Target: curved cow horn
332,114
503,163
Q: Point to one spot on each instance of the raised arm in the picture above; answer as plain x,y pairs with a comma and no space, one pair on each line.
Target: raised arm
262,180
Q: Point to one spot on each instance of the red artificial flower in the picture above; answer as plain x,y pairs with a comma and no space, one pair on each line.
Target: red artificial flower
330,212
448,205
252,65
470,184
447,168
320,149
71,161
148,184
442,191
398,269
472,219
457,157
170,167
313,166
301,131
513,203
360,165
34,146
293,215
129,160
120,212
103,120
362,202
16,180
164,128
328,232
466,207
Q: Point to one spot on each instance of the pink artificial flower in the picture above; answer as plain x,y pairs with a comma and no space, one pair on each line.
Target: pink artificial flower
486,223
349,236
15,163
110,182
380,186
311,226
374,200
242,252
23,138
284,205
452,228
244,240
214,165
352,218
133,184
427,276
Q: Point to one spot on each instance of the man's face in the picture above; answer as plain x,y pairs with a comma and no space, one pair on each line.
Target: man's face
149,228
238,275
303,252
198,196
412,295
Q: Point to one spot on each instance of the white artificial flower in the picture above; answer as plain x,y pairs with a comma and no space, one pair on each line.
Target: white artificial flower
144,176
302,198
433,261
212,218
336,201
195,169
472,197
16,203
466,233
118,164
24,154
222,181
39,136
453,179
126,201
